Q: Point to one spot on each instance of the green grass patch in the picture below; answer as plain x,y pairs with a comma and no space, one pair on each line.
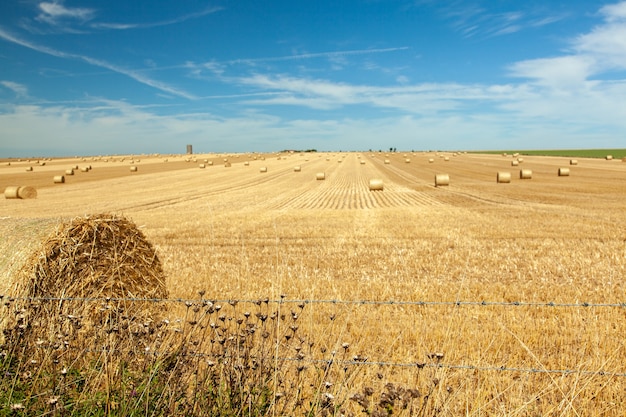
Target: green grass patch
578,153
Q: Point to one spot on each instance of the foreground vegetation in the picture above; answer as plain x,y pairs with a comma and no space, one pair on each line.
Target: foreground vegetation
334,300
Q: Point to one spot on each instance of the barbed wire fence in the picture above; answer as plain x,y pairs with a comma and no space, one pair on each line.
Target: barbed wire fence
436,360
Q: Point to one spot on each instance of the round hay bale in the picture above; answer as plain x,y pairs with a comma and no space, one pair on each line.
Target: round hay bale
69,172
362,162
26,193
320,176
29,169
210,163
446,158
11,192
201,166
609,157
520,160
227,165
88,275
441,180
376,184
407,161
133,169
84,169
573,161
263,169
431,160
624,159
563,172
58,179
503,177
387,162
525,174
297,168
246,163
514,163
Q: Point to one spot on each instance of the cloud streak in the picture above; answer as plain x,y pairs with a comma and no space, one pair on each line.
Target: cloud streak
180,19
137,76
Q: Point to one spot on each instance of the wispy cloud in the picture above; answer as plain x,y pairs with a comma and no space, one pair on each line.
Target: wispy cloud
599,51
137,76
474,20
20,90
327,55
54,13
180,19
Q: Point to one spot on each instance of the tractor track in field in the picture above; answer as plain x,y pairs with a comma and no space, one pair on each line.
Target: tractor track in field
262,178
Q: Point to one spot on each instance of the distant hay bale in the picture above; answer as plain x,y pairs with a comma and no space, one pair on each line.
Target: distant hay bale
201,166
210,163
69,172
525,174
624,159
246,163
441,180
407,161
58,179
573,161
84,169
446,158
227,165
520,160
263,169
563,172
297,168
387,162
376,184
362,162
11,192
133,169
514,163
431,160
320,176
96,264
609,157
23,193
26,193
29,169
503,177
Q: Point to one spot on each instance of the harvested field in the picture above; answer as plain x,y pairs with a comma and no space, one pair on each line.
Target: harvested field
487,285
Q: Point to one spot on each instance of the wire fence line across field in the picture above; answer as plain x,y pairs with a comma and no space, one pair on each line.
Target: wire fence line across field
357,360
459,303
365,362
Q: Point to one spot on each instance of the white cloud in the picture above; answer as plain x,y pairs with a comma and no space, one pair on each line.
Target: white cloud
179,19
55,13
136,75
20,90
599,51
558,72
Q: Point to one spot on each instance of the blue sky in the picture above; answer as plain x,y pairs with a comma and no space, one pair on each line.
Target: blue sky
150,76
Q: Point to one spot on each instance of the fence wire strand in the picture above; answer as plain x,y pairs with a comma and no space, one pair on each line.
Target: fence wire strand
360,361
458,303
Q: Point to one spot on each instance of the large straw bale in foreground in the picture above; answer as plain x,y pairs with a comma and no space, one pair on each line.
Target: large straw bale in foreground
104,257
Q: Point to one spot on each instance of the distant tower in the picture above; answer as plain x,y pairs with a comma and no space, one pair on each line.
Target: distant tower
189,149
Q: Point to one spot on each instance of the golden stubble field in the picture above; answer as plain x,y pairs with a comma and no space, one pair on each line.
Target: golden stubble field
362,261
